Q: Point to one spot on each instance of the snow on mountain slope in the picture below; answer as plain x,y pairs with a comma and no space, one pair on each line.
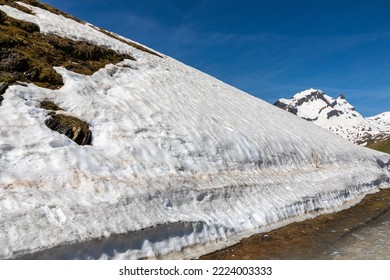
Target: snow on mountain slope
180,163
50,23
337,115
382,120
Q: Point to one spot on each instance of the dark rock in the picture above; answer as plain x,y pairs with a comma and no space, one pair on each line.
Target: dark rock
309,119
313,96
51,106
22,65
3,88
12,61
72,127
280,104
323,108
286,107
32,74
27,26
334,113
4,53
292,110
3,17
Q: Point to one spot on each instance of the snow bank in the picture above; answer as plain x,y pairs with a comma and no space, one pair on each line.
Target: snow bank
180,164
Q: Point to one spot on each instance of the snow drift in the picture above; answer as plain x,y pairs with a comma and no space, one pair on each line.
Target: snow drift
180,163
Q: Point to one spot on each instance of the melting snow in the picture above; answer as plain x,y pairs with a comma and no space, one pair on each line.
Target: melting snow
180,163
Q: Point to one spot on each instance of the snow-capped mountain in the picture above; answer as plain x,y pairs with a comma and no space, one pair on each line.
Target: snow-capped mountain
338,116
382,121
111,150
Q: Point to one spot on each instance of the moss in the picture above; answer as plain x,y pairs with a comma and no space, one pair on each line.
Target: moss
21,42
132,44
383,145
21,8
72,127
24,25
50,106
9,41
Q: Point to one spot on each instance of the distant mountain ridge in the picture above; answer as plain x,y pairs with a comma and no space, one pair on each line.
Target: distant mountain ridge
338,115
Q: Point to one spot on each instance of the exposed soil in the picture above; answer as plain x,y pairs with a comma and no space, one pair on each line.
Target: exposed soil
309,239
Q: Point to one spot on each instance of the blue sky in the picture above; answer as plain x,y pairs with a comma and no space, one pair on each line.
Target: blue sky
268,48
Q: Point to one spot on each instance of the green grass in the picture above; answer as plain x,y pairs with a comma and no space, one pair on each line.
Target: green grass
383,146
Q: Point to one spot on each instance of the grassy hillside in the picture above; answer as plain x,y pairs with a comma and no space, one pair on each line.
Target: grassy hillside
29,56
383,146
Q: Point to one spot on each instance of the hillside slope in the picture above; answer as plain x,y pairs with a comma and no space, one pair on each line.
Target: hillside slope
178,163
381,143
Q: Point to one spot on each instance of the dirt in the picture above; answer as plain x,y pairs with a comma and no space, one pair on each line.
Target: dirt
309,239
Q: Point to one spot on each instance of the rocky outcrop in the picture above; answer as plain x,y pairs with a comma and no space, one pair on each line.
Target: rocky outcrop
70,126
286,107
334,113
3,88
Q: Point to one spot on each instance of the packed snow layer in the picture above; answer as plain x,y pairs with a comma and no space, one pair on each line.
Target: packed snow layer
180,164
170,145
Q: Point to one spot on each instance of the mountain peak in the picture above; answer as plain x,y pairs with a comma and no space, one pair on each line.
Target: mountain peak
336,115
341,96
